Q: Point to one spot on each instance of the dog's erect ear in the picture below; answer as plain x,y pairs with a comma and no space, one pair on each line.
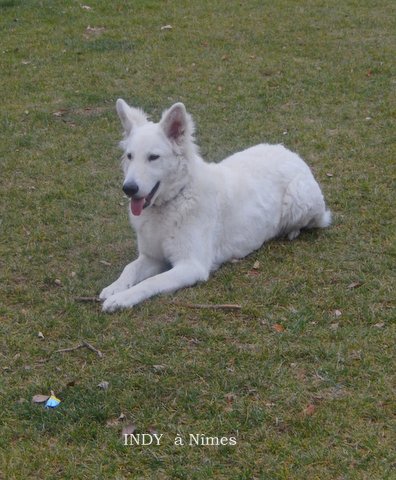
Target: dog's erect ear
130,117
177,123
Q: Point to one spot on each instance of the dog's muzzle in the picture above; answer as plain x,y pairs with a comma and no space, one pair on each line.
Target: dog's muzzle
138,203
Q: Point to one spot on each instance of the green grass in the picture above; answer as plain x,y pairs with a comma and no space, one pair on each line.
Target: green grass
314,75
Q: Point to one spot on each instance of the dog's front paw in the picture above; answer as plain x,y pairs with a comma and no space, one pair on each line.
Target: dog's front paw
116,302
112,290
106,293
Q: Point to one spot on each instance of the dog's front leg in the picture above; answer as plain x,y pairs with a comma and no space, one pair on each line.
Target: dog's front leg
140,269
183,274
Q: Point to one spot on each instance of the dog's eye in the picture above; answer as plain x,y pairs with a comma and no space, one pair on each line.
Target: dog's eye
129,156
153,157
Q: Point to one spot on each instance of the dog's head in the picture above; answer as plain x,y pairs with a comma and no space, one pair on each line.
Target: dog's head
156,155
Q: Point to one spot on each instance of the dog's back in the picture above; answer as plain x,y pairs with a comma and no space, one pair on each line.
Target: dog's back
263,192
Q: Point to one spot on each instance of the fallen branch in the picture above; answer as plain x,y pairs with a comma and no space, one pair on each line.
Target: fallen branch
70,349
87,299
213,306
84,344
93,349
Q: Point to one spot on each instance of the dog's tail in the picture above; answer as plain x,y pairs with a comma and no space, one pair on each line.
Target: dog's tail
322,220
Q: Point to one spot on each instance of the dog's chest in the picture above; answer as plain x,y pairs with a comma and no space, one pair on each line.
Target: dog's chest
155,233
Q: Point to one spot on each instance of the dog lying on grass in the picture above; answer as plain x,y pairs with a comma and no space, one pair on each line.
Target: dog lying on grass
191,216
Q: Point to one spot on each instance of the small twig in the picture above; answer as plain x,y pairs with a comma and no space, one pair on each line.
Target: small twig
84,344
86,299
70,349
92,348
216,306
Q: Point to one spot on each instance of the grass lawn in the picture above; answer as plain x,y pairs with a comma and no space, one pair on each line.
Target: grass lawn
302,375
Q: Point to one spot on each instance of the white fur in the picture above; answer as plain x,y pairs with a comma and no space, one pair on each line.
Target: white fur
204,214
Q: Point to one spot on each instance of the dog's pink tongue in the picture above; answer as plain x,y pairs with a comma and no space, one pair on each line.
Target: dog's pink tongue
137,206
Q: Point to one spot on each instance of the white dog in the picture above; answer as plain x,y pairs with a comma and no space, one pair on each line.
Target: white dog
191,216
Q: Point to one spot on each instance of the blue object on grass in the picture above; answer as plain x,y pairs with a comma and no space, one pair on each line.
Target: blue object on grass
52,402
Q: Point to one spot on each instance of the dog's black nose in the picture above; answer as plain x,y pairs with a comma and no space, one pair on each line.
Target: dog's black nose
130,189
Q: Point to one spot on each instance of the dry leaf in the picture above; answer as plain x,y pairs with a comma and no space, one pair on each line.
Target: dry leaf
256,265
355,355
309,409
93,31
60,113
41,335
334,326
112,422
103,385
230,397
159,368
355,285
379,325
329,174
301,374
58,282
40,398
104,262
337,313
278,327
128,429
253,273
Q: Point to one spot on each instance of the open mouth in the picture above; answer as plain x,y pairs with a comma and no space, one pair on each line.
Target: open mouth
139,203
